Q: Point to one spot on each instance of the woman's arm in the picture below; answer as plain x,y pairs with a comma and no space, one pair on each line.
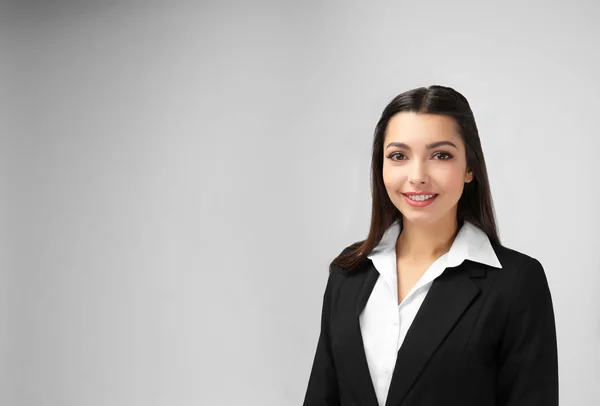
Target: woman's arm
528,359
323,387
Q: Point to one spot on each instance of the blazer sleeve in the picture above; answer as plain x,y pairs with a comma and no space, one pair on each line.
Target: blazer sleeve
528,359
323,389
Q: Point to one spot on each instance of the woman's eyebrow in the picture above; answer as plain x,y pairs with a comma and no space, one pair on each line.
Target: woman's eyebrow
429,146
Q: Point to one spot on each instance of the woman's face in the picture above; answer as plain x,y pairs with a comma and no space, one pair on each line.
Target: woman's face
424,153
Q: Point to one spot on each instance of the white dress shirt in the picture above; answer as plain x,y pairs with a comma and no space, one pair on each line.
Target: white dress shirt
383,321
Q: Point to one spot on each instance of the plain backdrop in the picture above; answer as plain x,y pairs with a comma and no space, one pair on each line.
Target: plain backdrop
177,176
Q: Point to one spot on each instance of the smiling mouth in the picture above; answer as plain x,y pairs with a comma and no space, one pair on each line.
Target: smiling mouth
419,201
422,197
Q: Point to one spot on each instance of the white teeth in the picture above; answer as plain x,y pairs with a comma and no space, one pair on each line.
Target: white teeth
420,198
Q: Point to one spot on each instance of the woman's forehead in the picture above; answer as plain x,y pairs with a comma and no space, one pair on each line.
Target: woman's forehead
421,129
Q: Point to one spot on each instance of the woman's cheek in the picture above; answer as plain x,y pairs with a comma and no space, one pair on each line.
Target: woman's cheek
452,179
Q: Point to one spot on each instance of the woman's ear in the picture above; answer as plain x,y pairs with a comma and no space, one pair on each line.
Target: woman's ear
469,176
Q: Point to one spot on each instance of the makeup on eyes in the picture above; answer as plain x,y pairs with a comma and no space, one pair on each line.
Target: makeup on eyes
396,153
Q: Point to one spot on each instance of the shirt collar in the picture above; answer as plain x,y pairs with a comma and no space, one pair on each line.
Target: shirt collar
470,243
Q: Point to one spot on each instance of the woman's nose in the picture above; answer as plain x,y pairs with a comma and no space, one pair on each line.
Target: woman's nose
417,174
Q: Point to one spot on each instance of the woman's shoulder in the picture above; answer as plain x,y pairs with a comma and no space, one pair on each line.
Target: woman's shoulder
520,268
511,257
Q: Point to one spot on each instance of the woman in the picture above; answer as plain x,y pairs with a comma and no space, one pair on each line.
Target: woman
431,309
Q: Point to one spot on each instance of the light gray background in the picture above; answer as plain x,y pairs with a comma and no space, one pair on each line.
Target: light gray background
177,177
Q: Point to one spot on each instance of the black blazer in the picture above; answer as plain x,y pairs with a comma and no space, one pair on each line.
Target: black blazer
482,337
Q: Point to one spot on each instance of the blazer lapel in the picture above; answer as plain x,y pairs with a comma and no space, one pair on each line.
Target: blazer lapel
449,296
356,292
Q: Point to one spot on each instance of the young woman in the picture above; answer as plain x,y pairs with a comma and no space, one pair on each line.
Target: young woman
431,309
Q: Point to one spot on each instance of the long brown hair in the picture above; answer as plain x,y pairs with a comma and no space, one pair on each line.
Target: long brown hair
475,205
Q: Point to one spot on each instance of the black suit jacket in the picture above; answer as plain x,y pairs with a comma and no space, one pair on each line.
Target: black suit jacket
482,337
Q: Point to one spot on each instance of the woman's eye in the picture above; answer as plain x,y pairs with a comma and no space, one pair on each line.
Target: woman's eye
396,154
444,155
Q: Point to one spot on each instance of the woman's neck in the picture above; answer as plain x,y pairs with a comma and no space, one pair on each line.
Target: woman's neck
420,243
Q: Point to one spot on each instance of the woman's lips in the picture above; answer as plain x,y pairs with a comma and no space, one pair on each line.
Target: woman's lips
419,203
